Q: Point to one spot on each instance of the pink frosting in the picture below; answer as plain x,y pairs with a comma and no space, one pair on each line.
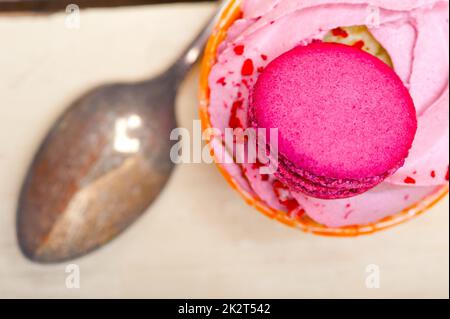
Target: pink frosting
414,32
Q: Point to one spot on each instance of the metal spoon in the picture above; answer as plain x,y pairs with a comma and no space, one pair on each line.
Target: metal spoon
102,164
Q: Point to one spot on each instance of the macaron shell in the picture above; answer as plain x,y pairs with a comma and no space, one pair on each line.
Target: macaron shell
318,187
341,113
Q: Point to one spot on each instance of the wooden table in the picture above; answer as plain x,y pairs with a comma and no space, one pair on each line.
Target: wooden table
199,239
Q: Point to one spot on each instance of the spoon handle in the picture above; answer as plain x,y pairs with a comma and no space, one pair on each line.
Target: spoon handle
193,52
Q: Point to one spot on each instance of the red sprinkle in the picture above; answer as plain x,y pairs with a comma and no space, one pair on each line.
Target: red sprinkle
433,174
260,69
235,122
290,203
244,81
277,185
247,68
446,176
264,57
258,164
221,81
410,180
359,44
339,32
239,49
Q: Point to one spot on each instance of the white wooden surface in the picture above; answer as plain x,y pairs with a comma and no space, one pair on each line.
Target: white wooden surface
199,239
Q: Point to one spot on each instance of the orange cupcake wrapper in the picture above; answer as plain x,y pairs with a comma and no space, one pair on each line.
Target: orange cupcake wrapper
231,13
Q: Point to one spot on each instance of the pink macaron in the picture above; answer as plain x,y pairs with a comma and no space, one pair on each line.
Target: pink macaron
345,120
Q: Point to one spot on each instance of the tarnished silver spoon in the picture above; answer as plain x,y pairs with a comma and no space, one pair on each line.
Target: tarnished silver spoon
102,164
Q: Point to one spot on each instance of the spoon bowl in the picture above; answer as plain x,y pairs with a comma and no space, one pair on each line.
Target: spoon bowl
102,165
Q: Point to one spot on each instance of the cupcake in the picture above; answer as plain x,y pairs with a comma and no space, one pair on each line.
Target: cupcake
356,93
